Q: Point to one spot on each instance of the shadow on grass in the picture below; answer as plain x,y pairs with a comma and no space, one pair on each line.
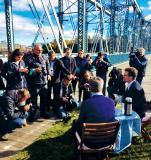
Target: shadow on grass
57,148
55,144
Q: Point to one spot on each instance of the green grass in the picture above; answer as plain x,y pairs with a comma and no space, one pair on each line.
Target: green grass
58,144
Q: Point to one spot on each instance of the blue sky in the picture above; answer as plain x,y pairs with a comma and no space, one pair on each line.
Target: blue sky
25,25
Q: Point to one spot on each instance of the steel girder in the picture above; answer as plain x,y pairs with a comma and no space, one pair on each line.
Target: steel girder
60,14
9,25
112,26
82,25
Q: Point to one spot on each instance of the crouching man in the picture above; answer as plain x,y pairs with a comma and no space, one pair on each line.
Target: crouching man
14,111
65,103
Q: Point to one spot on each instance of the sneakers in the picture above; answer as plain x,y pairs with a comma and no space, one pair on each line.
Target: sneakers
3,137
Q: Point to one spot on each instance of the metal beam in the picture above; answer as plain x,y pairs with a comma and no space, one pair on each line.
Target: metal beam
9,25
137,6
51,25
82,24
99,6
57,22
60,15
112,26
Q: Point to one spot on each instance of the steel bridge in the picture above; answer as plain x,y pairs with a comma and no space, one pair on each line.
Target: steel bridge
117,25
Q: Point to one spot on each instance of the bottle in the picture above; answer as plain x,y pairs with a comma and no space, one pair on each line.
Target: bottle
128,106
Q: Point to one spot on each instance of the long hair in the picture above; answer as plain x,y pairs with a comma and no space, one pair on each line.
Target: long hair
15,53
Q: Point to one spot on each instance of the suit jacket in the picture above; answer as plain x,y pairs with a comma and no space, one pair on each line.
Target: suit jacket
97,109
70,65
137,94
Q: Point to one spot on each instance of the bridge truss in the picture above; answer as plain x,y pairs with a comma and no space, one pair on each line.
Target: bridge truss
112,26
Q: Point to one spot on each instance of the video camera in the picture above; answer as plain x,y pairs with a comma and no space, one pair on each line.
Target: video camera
133,53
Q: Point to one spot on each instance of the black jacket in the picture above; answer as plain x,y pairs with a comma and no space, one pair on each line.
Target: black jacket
139,63
101,66
137,94
14,78
70,65
10,105
58,68
82,65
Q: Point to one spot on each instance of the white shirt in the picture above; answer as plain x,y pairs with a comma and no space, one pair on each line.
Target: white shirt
96,93
128,85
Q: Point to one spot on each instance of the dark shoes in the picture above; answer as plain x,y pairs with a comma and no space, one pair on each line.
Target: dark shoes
3,137
66,119
45,115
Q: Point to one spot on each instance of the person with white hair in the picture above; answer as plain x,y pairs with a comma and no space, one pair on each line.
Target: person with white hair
98,108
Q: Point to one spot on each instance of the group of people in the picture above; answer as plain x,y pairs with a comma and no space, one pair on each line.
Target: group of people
99,108
34,74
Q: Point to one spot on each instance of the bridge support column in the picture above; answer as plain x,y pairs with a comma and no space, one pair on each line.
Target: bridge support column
9,25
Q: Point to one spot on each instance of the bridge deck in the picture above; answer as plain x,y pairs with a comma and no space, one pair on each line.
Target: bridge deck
23,137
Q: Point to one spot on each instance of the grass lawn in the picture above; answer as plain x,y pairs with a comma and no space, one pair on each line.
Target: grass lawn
58,144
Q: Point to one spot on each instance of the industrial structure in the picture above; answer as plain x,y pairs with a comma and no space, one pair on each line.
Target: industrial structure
117,25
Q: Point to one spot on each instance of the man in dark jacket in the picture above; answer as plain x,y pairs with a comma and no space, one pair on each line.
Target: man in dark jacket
56,67
39,73
102,64
82,66
65,101
13,110
69,63
139,61
135,91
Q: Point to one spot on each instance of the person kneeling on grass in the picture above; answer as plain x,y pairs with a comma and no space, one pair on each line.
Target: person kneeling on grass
14,111
65,102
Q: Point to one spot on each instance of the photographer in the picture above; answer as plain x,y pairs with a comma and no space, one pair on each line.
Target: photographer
14,71
116,84
13,110
65,100
139,61
102,64
38,76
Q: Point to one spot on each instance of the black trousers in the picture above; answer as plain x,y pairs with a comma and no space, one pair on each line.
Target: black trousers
55,86
42,92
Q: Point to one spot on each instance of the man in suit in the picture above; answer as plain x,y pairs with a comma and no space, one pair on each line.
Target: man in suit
135,91
69,63
98,108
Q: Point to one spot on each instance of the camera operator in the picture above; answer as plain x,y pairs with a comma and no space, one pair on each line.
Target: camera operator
139,61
